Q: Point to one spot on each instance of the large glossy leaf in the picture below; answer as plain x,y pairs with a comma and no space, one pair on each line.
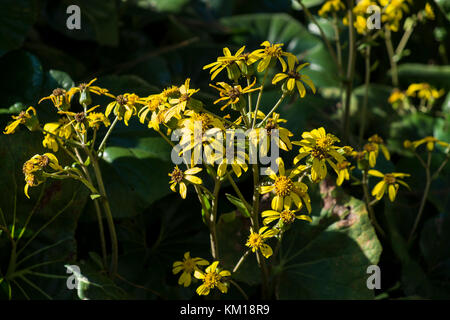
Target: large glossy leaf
99,21
438,76
328,258
16,19
57,202
171,6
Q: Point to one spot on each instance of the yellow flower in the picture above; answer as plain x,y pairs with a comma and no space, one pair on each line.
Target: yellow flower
84,89
55,130
188,266
390,184
156,104
319,146
273,123
96,118
331,5
24,117
201,130
178,177
372,149
212,277
285,189
360,24
393,12
232,94
124,106
430,142
33,167
396,96
60,98
424,91
228,61
269,53
342,170
294,78
429,13
256,240
79,119
184,100
237,164
284,217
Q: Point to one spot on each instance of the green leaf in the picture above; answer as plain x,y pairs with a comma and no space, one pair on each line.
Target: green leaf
16,20
228,217
438,76
239,204
328,258
172,6
25,79
62,79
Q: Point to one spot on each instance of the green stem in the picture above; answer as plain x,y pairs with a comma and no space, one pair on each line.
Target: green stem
273,109
108,212
322,34
350,72
391,54
241,260
259,97
424,198
212,221
102,144
238,192
239,288
366,95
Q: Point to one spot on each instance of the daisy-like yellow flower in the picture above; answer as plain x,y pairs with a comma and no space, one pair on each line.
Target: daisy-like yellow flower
390,184
271,52
55,130
27,117
319,146
178,177
201,131
124,106
213,277
429,141
284,217
60,98
188,266
342,170
294,78
373,147
393,12
256,240
286,190
156,105
94,120
237,164
273,123
85,89
80,119
330,6
33,167
228,61
424,91
185,99
232,94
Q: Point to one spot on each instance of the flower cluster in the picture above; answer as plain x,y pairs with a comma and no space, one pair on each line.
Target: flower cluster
423,92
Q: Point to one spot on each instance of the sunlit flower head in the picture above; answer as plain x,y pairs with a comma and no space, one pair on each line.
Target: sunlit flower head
271,52
293,78
188,266
181,178
256,240
213,277
27,117
389,184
